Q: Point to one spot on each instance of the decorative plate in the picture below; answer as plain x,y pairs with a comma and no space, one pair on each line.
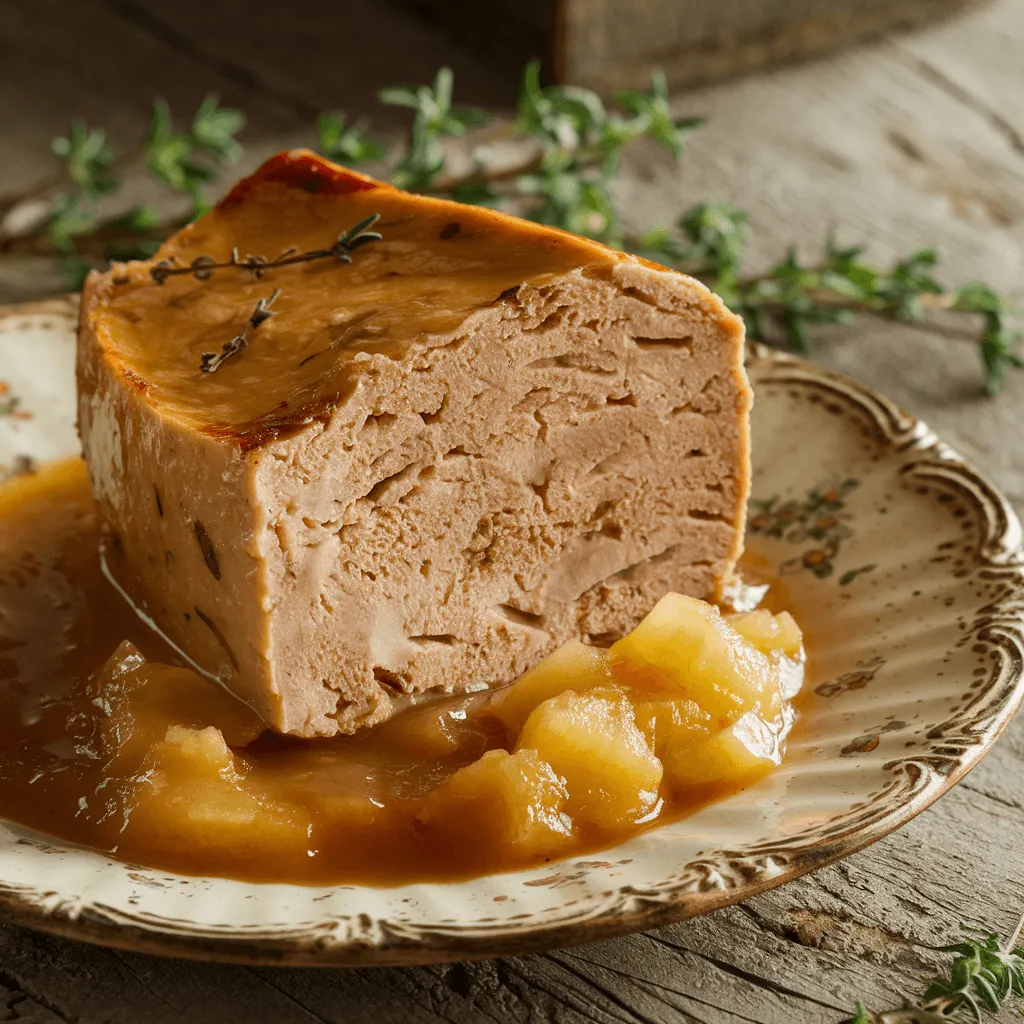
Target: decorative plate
902,563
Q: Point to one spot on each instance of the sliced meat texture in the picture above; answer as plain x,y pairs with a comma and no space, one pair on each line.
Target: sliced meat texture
443,452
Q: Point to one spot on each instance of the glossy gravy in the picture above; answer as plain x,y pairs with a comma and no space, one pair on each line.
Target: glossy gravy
85,721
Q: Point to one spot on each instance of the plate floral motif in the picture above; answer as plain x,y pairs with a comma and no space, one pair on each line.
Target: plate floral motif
10,408
902,563
820,517
36,394
9,403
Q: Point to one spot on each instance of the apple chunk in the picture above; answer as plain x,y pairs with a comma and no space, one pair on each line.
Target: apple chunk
686,649
574,666
511,802
195,787
671,723
770,633
736,754
591,739
138,700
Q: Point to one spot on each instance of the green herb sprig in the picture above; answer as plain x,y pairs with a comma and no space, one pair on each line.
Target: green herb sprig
188,161
184,161
790,296
434,119
985,976
347,143
581,145
572,144
88,161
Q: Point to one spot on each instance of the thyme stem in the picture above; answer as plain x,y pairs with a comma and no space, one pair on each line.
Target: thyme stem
1011,944
210,362
985,976
202,267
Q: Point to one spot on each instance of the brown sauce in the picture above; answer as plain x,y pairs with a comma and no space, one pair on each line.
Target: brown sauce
87,755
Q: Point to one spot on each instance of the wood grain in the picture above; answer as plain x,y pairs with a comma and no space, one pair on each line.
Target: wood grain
915,140
610,44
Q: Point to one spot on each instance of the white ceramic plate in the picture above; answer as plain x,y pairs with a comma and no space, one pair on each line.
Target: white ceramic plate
903,564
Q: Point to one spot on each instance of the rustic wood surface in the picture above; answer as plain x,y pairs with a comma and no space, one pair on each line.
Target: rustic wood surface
915,140
610,44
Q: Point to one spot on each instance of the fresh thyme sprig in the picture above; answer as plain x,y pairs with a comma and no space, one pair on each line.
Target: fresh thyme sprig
188,161
582,143
347,143
564,181
184,161
210,362
435,118
572,147
88,161
985,976
790,295
202,267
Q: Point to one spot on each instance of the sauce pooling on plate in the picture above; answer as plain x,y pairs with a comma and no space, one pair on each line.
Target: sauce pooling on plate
110,741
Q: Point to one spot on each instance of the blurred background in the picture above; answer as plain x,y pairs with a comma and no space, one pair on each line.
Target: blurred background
895,125
913,137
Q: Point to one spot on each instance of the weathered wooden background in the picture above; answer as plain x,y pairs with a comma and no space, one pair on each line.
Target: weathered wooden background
915,140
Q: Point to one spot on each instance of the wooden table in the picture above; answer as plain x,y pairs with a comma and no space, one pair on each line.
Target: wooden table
911,141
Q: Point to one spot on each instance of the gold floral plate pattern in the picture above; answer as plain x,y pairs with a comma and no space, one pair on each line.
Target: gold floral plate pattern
902,563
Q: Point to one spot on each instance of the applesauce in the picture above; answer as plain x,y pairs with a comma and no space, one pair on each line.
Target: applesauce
111,742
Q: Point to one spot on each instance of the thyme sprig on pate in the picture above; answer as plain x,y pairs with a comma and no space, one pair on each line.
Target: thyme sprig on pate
202,267
210,362
572,143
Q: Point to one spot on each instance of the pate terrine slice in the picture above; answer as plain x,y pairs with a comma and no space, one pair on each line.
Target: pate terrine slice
382,466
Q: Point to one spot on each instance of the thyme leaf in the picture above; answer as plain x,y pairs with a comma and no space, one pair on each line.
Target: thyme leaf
434,119
347,144
581,141
87,160
187,161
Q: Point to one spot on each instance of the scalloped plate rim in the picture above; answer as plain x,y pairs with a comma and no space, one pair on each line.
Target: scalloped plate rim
384,945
